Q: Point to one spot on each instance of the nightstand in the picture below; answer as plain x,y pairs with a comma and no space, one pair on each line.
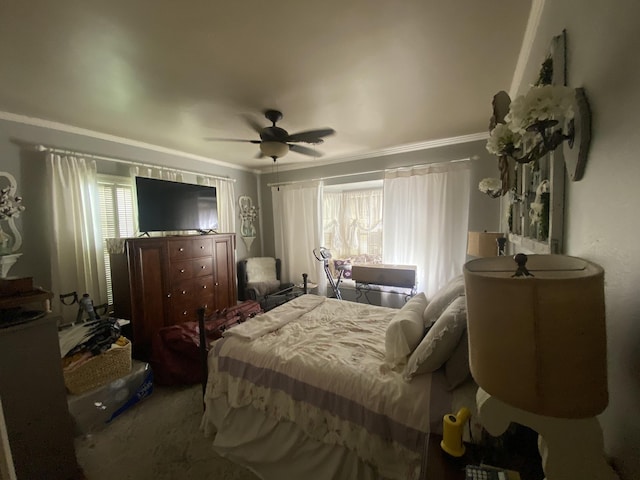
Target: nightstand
438,465
522,456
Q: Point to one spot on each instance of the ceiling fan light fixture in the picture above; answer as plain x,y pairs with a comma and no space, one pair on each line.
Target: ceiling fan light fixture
274,149
275,142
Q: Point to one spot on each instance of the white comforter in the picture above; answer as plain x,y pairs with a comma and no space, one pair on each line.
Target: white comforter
320,364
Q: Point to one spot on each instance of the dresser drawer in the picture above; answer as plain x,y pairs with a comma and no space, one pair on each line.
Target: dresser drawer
180,271
187,310
192,290
202,266
183,292
183,313
203,286
180,249
201,247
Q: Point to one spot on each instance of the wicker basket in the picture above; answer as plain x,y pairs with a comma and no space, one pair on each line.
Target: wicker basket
99,370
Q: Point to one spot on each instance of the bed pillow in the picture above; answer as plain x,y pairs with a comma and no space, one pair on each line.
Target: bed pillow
442,299
405,330
456,369
441,340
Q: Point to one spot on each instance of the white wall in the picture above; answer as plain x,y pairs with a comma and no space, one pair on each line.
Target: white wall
602,211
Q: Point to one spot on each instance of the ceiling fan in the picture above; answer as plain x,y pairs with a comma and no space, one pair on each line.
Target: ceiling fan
276,142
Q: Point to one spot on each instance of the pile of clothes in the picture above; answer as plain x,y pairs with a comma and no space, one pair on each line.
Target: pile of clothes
87,340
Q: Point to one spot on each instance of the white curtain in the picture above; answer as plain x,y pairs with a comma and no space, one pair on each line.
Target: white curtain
297,220
73,231
153,172
225,193
348,216
426,216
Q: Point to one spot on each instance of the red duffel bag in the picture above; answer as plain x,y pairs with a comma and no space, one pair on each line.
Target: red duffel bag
176,349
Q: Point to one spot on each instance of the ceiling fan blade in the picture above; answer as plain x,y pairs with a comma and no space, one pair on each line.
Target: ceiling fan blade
252,122
305,150
214,139
310,136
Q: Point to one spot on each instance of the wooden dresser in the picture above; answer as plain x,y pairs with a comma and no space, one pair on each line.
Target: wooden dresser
159,282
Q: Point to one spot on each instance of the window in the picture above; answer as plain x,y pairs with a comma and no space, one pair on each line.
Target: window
116,215
352,221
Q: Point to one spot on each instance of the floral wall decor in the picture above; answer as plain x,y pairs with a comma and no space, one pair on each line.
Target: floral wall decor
248,213
10,209
536,138
548,115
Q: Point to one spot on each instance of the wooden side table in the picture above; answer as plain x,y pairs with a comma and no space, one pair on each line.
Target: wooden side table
438,465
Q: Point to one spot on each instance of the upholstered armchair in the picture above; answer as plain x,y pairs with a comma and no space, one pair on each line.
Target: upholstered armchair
259,280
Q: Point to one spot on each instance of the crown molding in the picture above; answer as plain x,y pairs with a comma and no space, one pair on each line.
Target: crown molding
409,147
527,45
61,127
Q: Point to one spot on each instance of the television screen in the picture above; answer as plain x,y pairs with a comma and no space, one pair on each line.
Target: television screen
167,206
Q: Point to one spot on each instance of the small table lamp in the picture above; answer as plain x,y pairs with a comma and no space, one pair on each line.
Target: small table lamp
537,350
483,244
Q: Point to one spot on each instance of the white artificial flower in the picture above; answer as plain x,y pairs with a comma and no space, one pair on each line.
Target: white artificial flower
501,137
546,102
9,206
490,185
535,212
543,187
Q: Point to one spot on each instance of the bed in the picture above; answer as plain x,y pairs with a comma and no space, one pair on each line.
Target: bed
320,388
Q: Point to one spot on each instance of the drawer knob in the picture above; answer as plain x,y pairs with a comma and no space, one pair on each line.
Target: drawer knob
201,247
204,286
181,249
184,313
203,267
184,292
217,284
182,270
168,295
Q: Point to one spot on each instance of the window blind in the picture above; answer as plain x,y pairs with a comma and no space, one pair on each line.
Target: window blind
116,216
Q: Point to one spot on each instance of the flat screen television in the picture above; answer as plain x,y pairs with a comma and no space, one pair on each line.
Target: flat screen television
164,205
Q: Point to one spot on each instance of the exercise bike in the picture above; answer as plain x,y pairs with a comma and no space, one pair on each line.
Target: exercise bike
323,255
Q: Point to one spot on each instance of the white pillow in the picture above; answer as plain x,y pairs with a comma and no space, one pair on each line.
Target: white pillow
440,341
456,368
442,299
405,330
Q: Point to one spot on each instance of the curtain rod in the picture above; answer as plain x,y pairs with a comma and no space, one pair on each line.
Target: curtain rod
369,172
45,148
293,182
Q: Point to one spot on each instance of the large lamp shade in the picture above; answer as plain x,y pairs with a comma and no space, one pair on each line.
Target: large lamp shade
538,342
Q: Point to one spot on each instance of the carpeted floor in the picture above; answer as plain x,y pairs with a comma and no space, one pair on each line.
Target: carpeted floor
157,439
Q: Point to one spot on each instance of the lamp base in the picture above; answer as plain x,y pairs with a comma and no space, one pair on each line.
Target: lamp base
569,448
454,452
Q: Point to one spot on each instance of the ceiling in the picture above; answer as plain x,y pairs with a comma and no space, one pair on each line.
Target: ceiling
383,74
